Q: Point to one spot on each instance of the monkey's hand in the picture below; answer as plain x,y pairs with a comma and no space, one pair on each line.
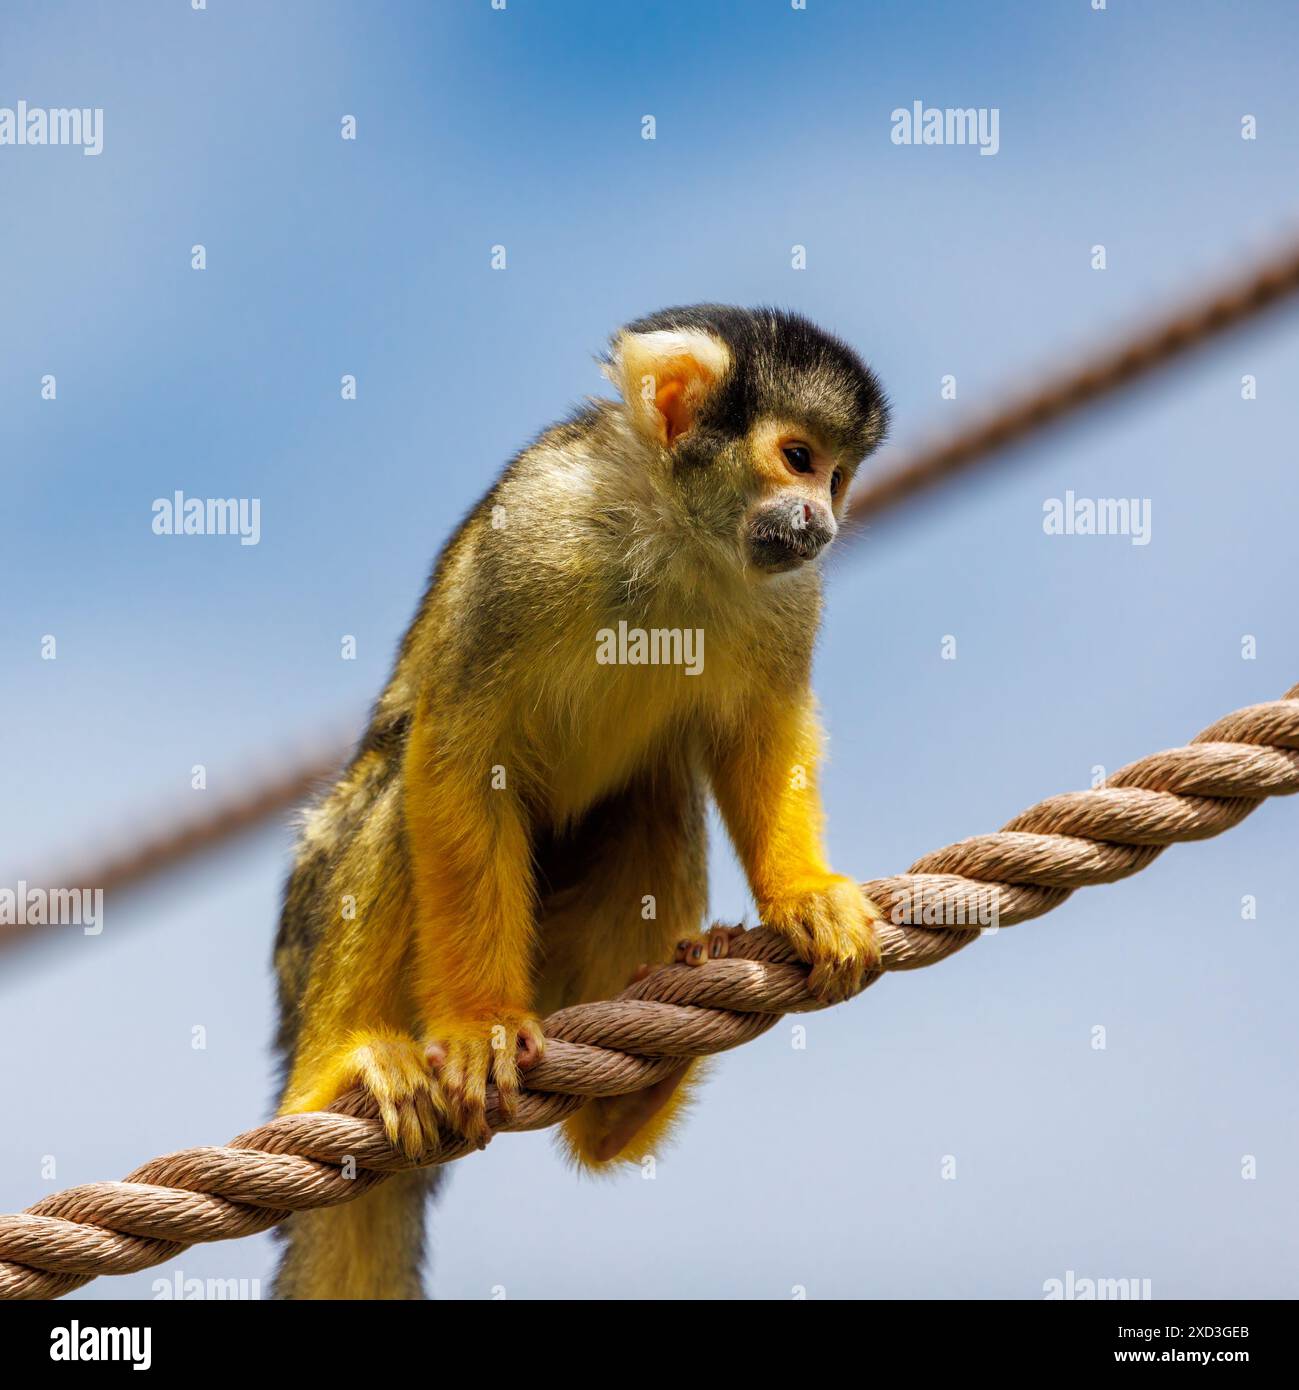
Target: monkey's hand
466,1052
830,922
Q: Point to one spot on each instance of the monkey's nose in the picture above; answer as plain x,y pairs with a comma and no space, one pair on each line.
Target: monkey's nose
782,537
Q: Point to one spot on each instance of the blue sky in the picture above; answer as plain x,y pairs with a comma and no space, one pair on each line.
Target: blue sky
523,128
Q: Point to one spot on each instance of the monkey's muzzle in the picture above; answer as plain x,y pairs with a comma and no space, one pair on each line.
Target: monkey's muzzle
784,535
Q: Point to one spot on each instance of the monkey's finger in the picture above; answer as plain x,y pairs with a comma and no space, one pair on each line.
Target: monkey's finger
427,1103
697,951
450,1072
719,942
816,982
379,1083
451,1081
469,1121
849,983
683,946
392,1117
825,982
848,977
507,1082
532,1045
391,1121
412,1132
473,1095
466,1117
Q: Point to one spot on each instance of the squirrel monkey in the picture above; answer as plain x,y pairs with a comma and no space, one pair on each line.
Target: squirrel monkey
523,822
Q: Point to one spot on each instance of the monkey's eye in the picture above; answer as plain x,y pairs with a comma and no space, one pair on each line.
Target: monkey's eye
799,457
836,481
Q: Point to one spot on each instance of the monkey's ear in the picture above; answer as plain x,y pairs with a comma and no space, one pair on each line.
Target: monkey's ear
665,376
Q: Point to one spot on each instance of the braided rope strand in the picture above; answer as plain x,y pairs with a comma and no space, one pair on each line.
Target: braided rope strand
609,1048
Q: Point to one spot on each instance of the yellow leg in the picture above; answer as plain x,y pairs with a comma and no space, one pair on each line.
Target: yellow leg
472,884
626,884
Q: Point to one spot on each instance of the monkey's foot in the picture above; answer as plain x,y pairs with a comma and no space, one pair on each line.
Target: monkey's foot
467,1053
831,924
714,944
394,1068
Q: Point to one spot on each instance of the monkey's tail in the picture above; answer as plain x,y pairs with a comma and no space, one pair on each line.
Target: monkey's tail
372,1247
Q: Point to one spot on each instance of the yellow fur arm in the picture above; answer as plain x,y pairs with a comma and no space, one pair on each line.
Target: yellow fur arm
764,779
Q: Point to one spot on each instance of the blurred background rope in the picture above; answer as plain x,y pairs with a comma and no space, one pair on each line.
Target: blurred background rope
900,476
1070,388
610,1048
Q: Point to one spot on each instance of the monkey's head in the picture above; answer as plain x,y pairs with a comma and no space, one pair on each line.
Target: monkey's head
761,418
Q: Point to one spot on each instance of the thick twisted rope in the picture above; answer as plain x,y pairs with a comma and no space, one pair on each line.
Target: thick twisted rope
610,1048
